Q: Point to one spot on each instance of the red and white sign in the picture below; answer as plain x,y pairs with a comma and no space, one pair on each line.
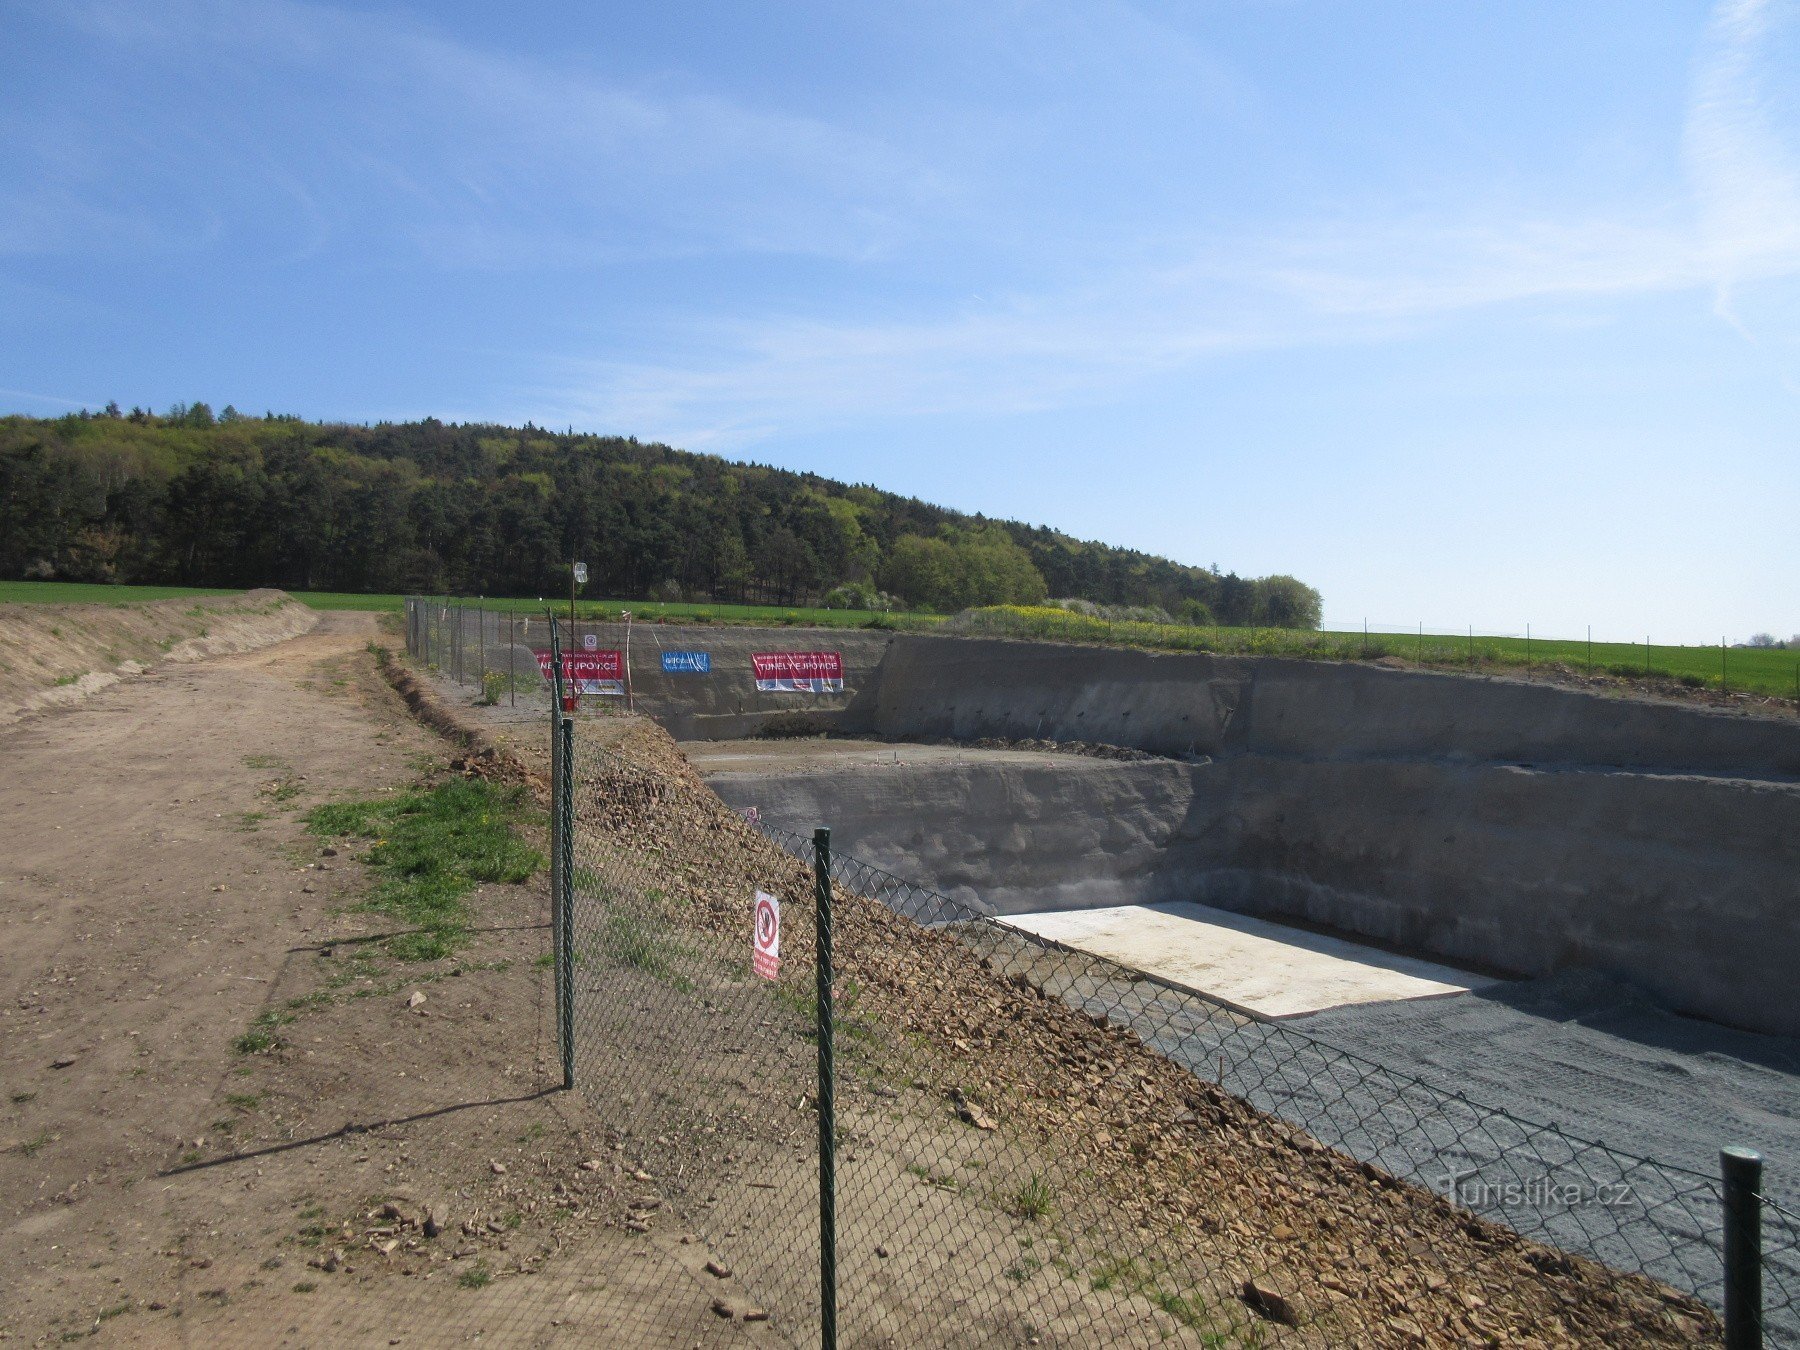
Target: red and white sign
765,942
588,672
799,672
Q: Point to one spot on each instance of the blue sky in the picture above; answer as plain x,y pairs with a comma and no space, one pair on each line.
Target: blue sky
1465,314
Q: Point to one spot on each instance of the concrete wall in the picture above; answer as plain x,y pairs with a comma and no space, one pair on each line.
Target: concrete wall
1522,827
726,704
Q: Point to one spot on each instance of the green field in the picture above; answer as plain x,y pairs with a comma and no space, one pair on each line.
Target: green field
1769,671
83,593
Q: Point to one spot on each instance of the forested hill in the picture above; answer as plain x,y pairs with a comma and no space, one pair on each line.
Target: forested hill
190,498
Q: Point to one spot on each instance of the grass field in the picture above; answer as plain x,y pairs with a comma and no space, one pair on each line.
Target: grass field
1772,672
82,593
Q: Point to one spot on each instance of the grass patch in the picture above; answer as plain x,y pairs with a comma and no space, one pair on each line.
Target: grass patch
20,1098
31,1147
1032,1200
256,1043
641,939
476,1277
305,1287
431,848
243,1101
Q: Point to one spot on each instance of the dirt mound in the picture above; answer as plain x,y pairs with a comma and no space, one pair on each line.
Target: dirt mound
56,654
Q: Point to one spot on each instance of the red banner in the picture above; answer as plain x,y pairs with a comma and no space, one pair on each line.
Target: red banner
799,672
588,672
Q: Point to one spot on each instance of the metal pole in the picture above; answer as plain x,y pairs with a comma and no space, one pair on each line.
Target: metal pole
512,682
1646,656
1724,673
481,640
1528,647
1742,1172
565,944
1590,649
827,1097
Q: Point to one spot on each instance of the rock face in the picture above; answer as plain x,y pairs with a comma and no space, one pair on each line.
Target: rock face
1527,828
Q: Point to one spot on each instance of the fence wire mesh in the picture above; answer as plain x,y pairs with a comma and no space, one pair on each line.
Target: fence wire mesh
952,1230
970,1215
1022,1156
1631,1213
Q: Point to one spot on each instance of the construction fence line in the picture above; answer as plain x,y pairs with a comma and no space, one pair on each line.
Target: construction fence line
954,1228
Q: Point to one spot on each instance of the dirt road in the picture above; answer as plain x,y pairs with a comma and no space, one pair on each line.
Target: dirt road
157,1184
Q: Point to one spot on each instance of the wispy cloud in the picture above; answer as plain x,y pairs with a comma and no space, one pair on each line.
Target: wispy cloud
1746,181
1343,280
379,126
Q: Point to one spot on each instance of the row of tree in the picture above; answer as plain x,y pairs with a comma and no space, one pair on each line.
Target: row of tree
229,500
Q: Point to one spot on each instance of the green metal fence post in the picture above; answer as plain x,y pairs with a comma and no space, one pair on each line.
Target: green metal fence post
827,1096
565,936
1742,1172
562,861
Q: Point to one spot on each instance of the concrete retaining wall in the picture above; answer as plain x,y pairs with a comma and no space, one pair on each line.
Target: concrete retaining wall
1522,827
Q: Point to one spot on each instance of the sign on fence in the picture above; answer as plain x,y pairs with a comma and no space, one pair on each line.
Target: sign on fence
687,663
799,672
765,942
600,672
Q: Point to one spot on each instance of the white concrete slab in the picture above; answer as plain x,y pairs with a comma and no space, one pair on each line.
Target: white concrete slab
1262,968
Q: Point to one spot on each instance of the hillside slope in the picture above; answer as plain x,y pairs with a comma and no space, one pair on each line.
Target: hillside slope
52,654
496,510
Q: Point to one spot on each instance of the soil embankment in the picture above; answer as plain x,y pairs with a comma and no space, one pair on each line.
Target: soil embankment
52,655
165,1179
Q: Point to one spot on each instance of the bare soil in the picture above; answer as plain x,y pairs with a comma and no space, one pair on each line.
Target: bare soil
54,655
157,1185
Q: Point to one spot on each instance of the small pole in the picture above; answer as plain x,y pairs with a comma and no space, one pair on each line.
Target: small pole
1741,1169
1365,637
1471,644
565,971
1724,674
1421,642
827,1095
512,683
1590,653
571,604
481,643
1646,656
556,828
1528,647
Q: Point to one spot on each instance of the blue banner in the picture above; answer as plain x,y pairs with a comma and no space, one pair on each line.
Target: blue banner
687,663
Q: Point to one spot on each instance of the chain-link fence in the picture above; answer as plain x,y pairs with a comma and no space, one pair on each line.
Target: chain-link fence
1028,1146
972,1207
1578,1195
952,1226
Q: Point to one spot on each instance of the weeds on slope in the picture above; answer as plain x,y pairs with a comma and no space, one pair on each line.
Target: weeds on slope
433,846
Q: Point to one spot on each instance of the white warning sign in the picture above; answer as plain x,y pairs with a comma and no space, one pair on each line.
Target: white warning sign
765,943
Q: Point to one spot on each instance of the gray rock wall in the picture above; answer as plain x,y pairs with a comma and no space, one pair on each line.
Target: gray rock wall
1520,827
